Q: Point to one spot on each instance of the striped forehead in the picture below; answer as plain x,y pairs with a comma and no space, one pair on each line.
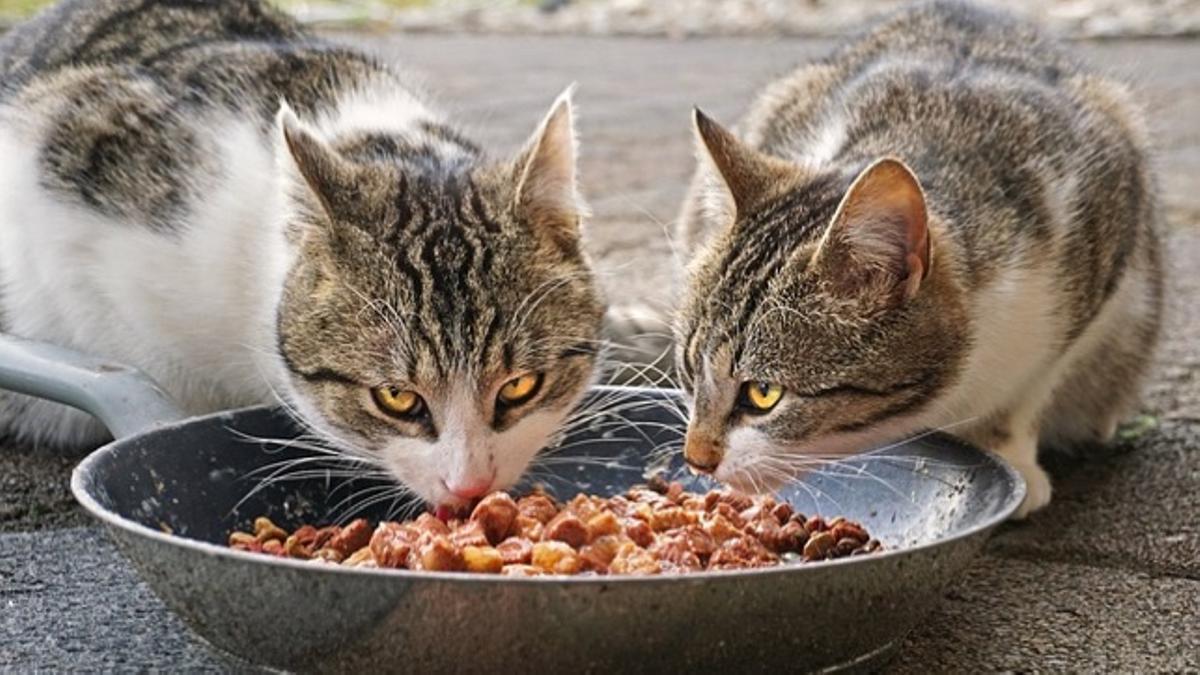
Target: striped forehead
755,254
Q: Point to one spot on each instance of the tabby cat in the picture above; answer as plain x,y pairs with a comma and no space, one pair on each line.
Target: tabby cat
948,223
204,191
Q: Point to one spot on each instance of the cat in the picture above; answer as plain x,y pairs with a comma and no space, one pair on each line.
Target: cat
950,222
208,193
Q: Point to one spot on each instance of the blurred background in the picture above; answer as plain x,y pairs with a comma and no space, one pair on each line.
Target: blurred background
682,18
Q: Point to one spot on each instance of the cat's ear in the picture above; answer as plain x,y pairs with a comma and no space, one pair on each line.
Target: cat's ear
879,239
739,177
547,195
328,176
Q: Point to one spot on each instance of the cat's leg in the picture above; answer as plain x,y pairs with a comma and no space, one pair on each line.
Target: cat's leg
1014,436
1100,392
1103,384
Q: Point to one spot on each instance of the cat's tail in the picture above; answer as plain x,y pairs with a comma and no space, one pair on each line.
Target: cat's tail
641,351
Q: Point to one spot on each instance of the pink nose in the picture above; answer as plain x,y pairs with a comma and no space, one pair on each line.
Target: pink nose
471,489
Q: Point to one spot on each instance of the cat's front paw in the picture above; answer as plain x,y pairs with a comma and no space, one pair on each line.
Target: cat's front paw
1037,489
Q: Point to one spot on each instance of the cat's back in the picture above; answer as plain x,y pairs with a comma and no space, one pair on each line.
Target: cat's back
126,107
1014,139
927,78
133,32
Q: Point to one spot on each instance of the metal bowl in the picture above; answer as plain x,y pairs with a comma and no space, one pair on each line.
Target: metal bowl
172,492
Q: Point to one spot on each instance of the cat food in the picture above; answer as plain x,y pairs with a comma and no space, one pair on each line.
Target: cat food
651,529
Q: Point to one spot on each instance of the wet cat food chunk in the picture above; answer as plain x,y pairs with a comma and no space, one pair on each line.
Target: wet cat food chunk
658,528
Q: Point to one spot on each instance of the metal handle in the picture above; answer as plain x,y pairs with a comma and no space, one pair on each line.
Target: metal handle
122,398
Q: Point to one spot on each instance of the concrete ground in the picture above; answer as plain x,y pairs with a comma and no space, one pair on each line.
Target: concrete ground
1107,578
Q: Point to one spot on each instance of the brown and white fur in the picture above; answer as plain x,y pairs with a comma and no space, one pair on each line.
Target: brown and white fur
160,206
948,223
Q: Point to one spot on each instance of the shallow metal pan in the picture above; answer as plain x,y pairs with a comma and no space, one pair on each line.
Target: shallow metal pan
171,489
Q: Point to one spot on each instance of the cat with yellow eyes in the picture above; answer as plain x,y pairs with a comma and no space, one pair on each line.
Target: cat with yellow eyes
208,193
949,223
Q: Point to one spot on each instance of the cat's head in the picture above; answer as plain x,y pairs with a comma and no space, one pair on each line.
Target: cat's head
440,317
820,317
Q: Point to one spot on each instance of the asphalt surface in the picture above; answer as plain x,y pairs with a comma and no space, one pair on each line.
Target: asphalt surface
1106,579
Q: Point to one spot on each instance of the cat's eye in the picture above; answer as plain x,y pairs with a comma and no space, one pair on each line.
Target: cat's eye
398,402
760,397
520,389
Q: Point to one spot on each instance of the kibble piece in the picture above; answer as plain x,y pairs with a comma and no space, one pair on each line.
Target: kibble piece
483,559
521,571
529,528
351,538
675,492
632,559
731,514
846,546
585,507
718,527
740,552
767,531
470,533
393,543
782,512
515,550
639,531
567,528
427,522
671,518
556,557
265,530
792,537
363,557
538,507
242,539
329,555
300,543
496,512
602,524
440,555
599,554
845,529
819,546
815,524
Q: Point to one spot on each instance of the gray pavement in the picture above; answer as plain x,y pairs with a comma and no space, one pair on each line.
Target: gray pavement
1108,578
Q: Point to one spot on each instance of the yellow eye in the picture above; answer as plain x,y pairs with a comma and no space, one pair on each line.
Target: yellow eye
761,396
398,402
520,389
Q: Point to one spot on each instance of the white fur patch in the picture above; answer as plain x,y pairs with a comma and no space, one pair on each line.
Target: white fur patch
467,450
819,150
193,309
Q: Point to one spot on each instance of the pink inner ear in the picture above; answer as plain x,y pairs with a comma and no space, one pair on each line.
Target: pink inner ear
882,226
884,199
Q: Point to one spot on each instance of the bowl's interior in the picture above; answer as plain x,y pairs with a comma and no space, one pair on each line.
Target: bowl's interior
204,478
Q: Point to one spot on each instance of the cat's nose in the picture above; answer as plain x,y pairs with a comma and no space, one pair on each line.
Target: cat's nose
470,489
702,455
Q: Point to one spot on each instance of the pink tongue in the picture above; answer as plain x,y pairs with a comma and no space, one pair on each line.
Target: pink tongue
444,513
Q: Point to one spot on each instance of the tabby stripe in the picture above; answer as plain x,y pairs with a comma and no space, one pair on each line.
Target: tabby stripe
312,375
917,401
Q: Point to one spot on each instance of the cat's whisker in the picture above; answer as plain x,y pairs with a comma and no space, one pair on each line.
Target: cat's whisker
812,491
350,504
539,294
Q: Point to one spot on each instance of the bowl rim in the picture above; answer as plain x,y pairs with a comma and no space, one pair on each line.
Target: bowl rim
83,474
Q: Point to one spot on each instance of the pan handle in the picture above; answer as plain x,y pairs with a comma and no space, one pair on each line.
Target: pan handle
121,397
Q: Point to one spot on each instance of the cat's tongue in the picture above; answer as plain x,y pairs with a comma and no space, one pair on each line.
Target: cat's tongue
447,512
